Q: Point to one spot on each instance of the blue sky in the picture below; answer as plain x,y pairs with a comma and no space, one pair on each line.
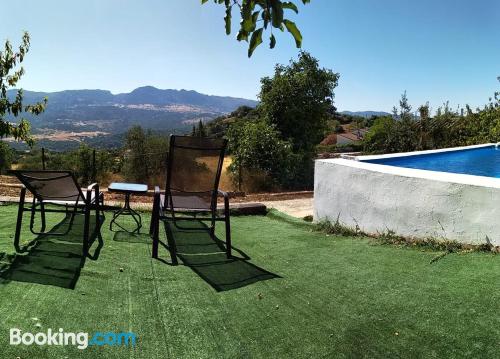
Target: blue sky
436,50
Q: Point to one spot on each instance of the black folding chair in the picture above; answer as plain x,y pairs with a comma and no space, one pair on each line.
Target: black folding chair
58,189
194,167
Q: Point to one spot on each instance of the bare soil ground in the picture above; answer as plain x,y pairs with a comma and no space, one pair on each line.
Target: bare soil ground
297,204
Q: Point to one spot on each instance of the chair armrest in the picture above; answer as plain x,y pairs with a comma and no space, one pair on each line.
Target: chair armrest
226,201
223,194
93,187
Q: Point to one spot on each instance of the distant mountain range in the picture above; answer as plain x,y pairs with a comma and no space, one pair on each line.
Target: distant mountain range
366,114
100,118
100,110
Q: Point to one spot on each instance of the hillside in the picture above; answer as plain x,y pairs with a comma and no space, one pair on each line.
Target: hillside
365,114
76,115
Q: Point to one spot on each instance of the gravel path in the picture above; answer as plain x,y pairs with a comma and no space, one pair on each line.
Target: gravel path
300,208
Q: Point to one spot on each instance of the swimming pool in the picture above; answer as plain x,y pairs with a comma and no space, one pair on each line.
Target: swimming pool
448,194
482,161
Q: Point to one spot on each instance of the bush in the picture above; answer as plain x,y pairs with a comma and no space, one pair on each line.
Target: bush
256,146
6,156
145,156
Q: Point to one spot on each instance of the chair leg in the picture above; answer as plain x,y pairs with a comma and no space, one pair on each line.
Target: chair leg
20,213
155,229
97,219
228,237
212,227
152,224
86,228
171,246
227,220
42,215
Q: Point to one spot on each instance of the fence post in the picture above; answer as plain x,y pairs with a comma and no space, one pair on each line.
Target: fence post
43,158
94,170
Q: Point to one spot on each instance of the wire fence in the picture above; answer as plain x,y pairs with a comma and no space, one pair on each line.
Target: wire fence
92,165
118,165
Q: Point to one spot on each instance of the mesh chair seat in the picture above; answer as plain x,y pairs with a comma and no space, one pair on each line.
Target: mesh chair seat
81,202
188,202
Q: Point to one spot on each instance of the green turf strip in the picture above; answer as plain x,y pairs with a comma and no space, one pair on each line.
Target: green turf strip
290,293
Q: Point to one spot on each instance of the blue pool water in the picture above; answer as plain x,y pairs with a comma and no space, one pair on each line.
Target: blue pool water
484,161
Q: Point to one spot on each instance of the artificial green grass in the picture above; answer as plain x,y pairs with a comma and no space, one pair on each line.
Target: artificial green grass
302,294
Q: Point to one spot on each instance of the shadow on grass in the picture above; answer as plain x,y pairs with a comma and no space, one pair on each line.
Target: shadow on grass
53,260
206,256
128,237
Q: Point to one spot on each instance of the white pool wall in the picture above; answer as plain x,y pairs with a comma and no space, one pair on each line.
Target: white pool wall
411,202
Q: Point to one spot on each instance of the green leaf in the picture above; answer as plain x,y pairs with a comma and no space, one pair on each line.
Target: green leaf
272,42
248,20
242,35
276,13
290,5
227,20
292,29
255,17
255,41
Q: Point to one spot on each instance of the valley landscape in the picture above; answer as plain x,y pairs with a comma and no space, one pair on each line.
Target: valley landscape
100,118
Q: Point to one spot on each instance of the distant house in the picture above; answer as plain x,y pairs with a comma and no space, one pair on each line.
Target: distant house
346,138
329,140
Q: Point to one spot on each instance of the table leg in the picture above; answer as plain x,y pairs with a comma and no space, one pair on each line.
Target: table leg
127,211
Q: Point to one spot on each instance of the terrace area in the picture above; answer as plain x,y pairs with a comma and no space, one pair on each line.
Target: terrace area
290,291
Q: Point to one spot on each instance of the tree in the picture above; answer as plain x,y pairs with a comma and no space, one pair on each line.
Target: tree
256,146
218,127
84,165
404,109
424,127
155,157
297,100
259,15
380,136
10,74
136,168
201,131
145,156
295,107
448,128
5,157
497,95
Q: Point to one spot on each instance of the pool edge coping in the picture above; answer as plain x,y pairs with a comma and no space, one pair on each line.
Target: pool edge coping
458,178
419,153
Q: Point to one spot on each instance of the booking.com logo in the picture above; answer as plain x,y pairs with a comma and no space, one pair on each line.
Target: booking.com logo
80,340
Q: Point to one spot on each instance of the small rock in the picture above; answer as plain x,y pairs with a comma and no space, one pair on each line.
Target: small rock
277,306
121,269
38,325
396,334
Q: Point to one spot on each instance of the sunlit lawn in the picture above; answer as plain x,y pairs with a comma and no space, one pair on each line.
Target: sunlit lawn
299,294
